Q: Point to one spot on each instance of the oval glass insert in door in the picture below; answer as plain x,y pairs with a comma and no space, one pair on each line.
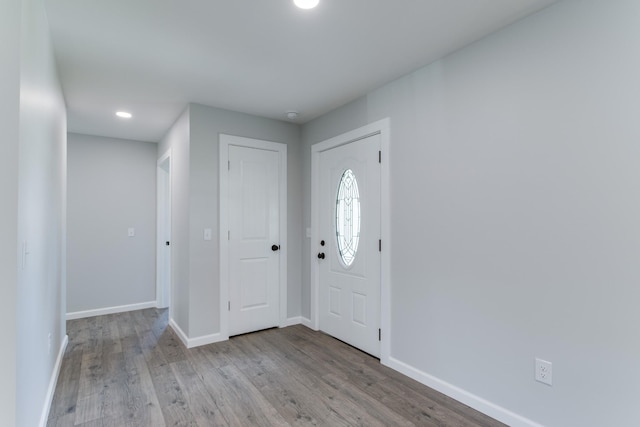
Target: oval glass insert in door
348,217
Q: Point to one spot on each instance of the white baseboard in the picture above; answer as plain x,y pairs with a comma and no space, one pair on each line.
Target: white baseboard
110,310
52,383
197,341
469,399
292,321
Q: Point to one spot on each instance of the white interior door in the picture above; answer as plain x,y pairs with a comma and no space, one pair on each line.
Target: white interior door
348,250
254,239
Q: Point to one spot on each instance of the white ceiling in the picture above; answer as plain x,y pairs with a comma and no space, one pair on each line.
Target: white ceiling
263,57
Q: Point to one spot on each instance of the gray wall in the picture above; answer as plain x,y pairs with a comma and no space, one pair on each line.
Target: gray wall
514,213
9,155
111,187
33,211
205,126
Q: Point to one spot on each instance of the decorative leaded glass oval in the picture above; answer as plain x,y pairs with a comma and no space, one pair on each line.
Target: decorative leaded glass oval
348,217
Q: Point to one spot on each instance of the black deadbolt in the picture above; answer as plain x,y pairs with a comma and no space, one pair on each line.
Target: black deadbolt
275,248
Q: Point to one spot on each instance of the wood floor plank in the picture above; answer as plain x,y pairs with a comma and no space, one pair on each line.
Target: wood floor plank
130,369
141,401
92,377
356,409
171,346
173,403
218,354
151,349
111,334
217,386
422,411
125,325
66,394
240,402
293,399
205,410
432,407
89,408
78,333
249,405
62,420
113,404
93,423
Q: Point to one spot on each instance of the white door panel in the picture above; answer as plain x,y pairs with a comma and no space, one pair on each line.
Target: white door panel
349,280
253,201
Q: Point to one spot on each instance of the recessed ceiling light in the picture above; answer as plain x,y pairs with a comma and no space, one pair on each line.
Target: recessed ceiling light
306,4
124,114
292,115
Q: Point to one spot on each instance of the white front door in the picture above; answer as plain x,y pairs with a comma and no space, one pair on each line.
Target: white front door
254,239
348,250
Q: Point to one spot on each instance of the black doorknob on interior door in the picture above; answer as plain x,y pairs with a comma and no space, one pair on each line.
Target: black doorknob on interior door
275,248
321,255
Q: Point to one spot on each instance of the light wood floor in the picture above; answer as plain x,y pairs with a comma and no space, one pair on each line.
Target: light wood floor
130,369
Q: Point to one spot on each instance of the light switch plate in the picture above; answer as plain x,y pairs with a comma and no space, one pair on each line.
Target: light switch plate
131,232
207,234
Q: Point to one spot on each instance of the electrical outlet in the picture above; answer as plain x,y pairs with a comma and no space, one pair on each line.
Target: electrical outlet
544,371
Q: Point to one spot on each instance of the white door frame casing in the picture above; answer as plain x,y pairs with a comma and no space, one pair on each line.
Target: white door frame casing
381,127
163,219
225,142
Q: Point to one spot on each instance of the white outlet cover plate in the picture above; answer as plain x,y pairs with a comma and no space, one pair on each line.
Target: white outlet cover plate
544,372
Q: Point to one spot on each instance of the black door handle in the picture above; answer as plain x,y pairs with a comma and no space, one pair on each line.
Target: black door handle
321,255
275,248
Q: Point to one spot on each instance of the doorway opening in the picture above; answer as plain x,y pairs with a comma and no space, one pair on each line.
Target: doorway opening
163,236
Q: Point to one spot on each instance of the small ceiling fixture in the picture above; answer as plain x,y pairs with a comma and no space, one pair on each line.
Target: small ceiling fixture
124,114
306,4
292,115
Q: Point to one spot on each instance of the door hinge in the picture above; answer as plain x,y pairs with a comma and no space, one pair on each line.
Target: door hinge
228,234
379,245
229,305
229,165
379,334
379,156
